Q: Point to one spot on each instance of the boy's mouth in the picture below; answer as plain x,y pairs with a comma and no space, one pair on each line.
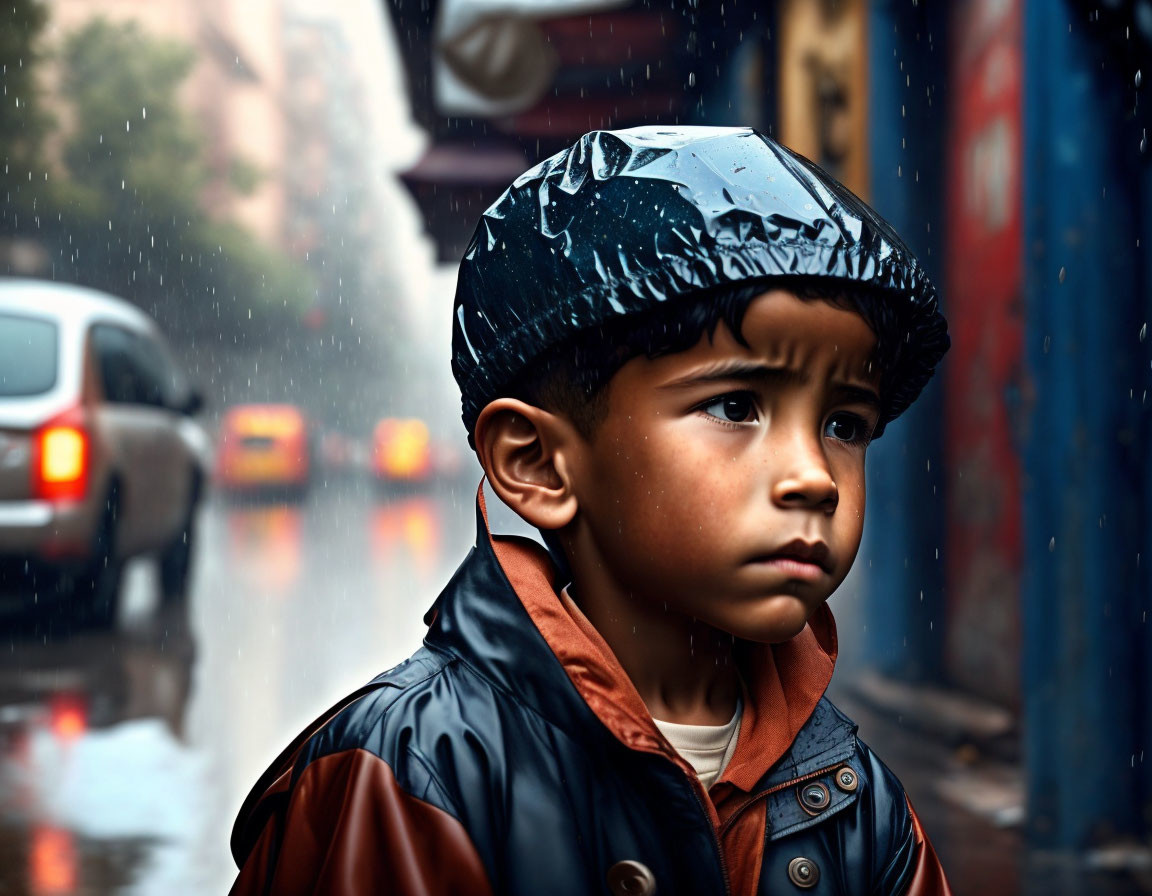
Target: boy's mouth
804,557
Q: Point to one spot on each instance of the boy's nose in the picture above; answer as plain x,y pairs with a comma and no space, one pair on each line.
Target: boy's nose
807,483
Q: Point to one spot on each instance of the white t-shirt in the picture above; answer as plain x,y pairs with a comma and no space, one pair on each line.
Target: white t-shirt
707,748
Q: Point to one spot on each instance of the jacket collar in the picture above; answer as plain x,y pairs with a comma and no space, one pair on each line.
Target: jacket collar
501,614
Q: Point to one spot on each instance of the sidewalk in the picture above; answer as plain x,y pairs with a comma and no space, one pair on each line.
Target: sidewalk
957,759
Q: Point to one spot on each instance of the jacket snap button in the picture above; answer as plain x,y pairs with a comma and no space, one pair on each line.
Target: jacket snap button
814,797
629,878
846,780
803,872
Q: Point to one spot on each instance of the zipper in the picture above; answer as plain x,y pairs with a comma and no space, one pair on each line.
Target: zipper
764,794
715,839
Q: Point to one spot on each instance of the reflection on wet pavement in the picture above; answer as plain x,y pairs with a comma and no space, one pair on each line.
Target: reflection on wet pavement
124,754
90,750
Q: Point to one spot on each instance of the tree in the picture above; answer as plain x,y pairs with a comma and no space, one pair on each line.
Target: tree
128,217
22,119
131,146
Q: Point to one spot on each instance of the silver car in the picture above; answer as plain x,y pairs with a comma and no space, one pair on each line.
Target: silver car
100,458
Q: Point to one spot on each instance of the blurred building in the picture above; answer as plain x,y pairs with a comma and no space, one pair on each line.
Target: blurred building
236,91
328,212
1007,143
510,83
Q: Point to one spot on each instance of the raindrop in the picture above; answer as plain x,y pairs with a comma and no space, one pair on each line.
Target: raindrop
1144,331
1138,77
1144,141
1051,544
1063,274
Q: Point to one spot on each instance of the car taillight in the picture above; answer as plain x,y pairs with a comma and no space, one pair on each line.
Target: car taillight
61,462
69,717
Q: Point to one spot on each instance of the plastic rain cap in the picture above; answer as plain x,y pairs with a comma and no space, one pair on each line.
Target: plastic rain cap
626,220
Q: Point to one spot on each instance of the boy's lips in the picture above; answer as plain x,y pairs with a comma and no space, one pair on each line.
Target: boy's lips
805,558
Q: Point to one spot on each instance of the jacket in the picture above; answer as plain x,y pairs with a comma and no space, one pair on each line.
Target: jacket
511,755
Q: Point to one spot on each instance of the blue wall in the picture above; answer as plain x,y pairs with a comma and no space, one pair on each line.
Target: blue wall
1086,455
904,543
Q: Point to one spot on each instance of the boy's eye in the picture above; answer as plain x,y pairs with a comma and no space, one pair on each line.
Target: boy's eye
847,428
735,408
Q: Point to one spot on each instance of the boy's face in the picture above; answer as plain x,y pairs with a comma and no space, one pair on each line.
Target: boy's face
726,482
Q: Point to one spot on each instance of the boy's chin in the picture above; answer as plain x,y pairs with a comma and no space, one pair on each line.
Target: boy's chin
775,619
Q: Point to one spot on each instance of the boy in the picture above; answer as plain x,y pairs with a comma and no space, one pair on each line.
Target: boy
673,346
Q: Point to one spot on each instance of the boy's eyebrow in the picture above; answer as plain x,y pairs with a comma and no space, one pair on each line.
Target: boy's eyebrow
858,395
763,375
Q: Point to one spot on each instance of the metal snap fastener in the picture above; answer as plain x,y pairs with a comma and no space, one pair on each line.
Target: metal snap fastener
814,797
630,878
803,872
846,780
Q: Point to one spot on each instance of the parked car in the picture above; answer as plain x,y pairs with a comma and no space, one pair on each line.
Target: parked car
100,457
401,452
264,449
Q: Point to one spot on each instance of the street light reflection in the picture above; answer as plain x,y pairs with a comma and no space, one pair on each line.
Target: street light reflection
51,861
265,547
411,525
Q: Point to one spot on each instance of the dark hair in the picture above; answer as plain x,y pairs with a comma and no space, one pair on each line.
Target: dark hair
571,378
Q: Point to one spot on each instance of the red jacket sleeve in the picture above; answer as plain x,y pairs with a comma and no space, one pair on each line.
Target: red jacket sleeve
927,875
347,827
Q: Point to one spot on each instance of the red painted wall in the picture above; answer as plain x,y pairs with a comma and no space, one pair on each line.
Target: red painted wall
984,304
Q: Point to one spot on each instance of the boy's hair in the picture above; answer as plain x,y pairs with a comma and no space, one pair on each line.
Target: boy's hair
572,378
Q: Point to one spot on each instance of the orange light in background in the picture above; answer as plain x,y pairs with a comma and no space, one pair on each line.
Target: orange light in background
402,448
52,861
69,717
266,420
281,455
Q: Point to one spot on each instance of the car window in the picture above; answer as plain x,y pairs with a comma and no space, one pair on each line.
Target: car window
162,372
120,368
155,372
28,355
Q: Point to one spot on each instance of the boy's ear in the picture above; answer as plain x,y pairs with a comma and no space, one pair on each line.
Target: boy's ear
527,453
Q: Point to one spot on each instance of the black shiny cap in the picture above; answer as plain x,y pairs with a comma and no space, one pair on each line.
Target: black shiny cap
626,220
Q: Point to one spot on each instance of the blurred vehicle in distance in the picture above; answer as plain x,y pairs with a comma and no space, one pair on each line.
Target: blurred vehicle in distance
264,450
401,452
100,458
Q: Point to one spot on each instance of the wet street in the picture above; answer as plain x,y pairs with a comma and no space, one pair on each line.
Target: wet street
124,755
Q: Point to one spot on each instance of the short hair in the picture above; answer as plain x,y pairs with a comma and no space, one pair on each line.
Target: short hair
572,378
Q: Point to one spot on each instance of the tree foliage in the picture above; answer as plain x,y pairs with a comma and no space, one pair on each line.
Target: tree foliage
130,144
123,208
22,119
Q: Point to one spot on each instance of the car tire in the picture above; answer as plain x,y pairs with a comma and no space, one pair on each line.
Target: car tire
98,585
176,558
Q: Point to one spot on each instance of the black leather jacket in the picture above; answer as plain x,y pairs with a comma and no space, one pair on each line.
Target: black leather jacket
479,766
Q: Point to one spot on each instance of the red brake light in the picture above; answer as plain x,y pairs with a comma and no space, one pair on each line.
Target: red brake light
60,468
69,717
